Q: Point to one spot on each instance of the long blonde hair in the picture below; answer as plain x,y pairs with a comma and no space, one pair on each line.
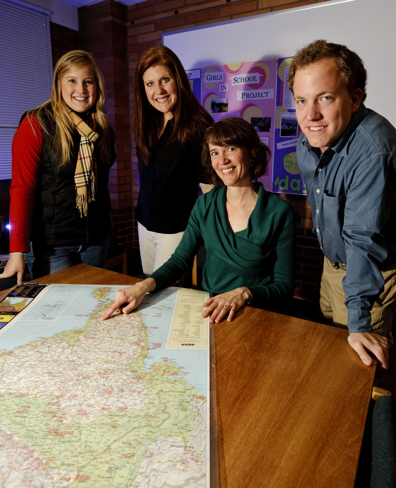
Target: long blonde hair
57,108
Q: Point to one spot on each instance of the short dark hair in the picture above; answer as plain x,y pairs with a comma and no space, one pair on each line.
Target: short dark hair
350,64
235,131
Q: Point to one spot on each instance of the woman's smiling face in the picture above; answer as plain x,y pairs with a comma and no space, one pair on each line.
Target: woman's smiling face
232,164
79,90
161,88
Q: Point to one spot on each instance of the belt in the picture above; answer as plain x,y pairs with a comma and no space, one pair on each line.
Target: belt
343,266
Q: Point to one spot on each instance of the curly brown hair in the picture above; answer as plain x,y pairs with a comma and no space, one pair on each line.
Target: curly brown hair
235,131
350,64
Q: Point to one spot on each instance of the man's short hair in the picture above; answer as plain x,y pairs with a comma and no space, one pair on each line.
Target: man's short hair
350,64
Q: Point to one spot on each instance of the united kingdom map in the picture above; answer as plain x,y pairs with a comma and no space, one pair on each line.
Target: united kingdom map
116,403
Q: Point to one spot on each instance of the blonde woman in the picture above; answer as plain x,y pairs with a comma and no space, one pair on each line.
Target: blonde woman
61,156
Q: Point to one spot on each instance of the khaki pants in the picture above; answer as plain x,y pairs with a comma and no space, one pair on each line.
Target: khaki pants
332,299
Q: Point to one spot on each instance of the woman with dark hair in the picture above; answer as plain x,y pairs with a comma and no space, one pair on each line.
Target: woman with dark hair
168,124
248,233
61,155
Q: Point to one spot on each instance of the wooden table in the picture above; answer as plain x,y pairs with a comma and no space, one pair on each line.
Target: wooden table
292,397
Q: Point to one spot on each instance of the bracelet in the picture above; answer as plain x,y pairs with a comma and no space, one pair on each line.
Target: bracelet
251,296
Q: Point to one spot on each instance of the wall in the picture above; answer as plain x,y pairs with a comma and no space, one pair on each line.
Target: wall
60,13
103,32
63,39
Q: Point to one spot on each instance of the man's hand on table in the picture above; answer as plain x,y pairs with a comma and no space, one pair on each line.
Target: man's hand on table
362,342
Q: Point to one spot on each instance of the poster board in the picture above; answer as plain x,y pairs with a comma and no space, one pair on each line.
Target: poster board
286,177
194,77
245,90
257,92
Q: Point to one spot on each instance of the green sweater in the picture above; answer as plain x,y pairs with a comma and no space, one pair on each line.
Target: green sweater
260,257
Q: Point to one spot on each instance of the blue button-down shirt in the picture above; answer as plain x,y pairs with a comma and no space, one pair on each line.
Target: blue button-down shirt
352,192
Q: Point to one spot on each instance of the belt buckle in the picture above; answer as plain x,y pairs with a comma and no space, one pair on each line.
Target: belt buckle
338,265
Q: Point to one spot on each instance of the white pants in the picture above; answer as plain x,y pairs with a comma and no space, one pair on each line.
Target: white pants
156,248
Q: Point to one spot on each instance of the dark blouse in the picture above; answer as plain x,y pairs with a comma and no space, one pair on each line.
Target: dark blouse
169,186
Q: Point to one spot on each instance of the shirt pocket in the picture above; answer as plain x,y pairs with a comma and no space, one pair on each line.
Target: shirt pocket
333,213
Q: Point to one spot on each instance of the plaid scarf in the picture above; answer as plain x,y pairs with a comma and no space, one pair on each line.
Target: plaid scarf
84,175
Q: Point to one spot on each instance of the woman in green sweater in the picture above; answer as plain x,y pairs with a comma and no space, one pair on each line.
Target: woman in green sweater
248,233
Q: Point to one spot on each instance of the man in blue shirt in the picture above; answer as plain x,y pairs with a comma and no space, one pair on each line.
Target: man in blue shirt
347,159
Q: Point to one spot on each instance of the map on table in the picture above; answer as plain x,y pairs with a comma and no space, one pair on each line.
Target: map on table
90,403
